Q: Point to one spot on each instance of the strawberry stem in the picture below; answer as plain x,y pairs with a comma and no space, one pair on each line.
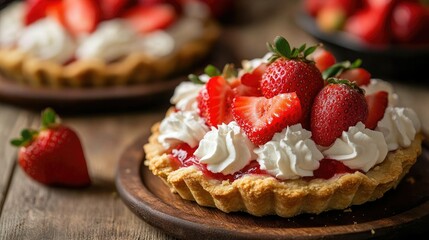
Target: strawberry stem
49,118
350,84
281,49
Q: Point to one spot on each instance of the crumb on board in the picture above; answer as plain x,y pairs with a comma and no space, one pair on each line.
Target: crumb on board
348,210
410,180
372,231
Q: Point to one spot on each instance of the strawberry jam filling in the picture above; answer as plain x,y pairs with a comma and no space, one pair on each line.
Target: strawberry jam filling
183,156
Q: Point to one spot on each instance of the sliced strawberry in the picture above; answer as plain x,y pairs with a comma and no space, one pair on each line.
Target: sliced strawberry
377,104
254,78
261,118
328,168
250,83
36,9
55,10
358,75
82,16
323,59
149,18
214,102
112,8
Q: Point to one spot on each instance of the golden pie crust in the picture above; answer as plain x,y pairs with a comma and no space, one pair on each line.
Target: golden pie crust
132,69
265,195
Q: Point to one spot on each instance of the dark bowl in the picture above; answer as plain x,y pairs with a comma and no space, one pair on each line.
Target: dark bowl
387,62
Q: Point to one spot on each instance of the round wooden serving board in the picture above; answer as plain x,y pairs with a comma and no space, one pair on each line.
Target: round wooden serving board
403,212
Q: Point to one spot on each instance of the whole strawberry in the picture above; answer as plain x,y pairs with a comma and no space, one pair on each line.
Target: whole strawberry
53,155
291,71
339,105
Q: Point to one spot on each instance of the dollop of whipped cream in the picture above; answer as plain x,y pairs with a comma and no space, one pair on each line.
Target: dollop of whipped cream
185,96
376,85
157,44
358,148
181,126
225,149
399,127
48,40
112,39
291,154
11,24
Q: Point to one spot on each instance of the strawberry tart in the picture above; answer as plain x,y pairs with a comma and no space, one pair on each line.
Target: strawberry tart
93,43
293,132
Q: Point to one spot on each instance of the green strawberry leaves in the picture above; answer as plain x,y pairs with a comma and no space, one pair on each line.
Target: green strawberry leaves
336,69
48,120
26,138
229,71
281,48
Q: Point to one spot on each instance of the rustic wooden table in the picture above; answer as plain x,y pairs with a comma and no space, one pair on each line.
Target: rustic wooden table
29,210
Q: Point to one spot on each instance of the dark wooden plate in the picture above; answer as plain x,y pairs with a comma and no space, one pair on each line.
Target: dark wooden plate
87,99
403,212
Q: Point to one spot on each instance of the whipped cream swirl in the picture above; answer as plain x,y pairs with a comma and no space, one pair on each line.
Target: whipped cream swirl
291,154
185,96
358,148
47,40
226,149
11,24
376,85
179,127
399,127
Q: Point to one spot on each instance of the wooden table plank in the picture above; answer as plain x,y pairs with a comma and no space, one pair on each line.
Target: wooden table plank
12,120
33,211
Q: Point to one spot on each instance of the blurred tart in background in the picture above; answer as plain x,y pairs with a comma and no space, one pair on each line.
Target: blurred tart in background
97,43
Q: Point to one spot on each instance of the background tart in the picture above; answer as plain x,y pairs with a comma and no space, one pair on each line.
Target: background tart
137,44
134,68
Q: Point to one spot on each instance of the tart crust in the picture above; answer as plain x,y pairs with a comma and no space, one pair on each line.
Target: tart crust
132,69
265,195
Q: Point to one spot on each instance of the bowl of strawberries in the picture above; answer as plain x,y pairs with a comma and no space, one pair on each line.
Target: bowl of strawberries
390,36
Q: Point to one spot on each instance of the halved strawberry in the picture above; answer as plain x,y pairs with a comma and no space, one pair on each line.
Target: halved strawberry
112,8
358,75
82,16
250,83
214,101
56,11
377,104
261,118
36,9
149,18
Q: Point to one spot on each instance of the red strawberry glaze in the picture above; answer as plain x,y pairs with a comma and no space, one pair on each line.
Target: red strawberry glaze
183,156
329,168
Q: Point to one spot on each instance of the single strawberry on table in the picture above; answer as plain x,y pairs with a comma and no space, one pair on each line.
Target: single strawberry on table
290,71
338,106
52,155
